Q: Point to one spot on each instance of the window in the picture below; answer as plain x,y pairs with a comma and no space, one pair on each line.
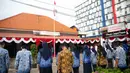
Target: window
106,17
97,26
90,27
95,4
119,1
119,8
96,32
125,11
94,26
101,25
87,22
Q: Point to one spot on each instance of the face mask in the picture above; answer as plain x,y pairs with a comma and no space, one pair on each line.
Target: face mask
96,48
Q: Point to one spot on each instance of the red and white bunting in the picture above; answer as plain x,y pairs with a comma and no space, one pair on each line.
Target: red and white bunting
111,39
92,41
121,38
77,41
17,40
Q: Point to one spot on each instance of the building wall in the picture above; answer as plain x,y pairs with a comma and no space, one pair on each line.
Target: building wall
89,15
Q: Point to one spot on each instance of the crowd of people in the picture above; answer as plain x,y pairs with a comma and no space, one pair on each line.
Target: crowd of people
68,58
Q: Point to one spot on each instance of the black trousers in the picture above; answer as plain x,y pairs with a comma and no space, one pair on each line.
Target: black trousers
103,66
46,70
87,68
122,69
94,67
110,63
75,69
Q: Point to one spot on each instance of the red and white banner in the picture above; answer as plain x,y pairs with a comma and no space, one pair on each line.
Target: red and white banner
93,40
112,39
77,41
121,38
16,40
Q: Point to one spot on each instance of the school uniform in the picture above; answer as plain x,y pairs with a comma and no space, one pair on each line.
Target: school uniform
94,60
86,63
76,63
4,60
121,56
45,65
109,58
23,61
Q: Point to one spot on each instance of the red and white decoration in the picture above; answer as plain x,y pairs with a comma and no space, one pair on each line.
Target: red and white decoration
70,40
112,39
93,40
16,40
119,38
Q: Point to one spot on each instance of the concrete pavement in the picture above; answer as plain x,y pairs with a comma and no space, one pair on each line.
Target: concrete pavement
35,70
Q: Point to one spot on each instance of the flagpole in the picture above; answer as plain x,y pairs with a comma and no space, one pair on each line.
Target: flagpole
54,29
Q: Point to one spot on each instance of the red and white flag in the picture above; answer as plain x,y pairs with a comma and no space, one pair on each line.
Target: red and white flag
54,2
54,10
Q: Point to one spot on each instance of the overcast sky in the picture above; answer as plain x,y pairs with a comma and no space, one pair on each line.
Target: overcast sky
10,8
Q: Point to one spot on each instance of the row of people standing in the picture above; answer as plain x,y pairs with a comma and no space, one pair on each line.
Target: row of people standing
67,60
23,60
104,57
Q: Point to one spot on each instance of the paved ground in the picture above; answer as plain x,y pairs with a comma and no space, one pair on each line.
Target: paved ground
35,70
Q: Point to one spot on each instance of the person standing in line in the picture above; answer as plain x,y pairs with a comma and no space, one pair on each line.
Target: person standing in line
76,58
44,59
59,50
109,56
65,60
120,58
94,58
4,59
23,61
102,61
87,60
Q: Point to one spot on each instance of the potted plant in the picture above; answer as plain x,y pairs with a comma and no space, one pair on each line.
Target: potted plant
33,48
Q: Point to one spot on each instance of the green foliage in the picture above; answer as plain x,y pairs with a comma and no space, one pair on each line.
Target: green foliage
33,48
114,70
127,71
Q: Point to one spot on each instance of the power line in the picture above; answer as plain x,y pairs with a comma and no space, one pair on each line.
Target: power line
42,8
56,5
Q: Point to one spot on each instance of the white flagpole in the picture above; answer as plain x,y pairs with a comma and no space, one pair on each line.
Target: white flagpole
54,28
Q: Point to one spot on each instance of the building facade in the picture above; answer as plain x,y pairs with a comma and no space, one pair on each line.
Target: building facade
91,15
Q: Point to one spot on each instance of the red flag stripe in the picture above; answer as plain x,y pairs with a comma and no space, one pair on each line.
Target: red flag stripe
114,11
54,2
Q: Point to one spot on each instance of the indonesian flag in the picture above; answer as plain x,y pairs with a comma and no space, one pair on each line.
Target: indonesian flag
54,10
54,2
